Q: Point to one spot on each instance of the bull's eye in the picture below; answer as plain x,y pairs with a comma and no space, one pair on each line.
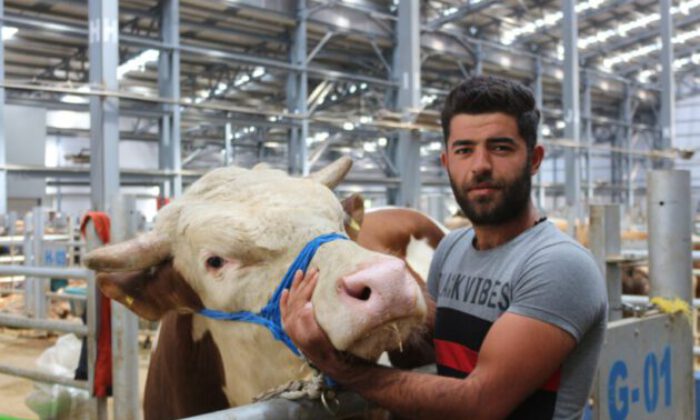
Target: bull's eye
215,262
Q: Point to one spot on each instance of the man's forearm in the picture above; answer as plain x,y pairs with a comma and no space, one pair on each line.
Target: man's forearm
413,395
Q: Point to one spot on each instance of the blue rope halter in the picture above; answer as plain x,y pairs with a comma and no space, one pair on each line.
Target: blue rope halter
269,316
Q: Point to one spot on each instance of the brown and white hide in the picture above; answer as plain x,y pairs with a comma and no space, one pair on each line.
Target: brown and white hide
405,233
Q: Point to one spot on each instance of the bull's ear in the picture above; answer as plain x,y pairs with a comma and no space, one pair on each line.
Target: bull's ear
333,174
354,207
152,292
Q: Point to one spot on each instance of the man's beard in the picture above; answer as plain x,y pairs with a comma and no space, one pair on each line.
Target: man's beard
508,202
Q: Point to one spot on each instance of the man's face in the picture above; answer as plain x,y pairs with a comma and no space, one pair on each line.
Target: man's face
489,167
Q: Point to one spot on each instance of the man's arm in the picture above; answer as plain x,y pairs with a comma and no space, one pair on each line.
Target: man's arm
517,357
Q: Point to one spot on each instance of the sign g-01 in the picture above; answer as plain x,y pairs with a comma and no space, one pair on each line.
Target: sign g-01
656,385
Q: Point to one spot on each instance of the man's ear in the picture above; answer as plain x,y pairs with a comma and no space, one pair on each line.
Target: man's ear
443,159
152,292
536,158
354,207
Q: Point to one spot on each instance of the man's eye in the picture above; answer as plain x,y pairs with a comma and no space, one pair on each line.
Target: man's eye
462,151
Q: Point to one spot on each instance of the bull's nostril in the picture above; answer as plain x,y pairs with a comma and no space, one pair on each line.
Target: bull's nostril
366,293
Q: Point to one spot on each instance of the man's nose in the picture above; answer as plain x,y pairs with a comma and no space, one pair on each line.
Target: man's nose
481,161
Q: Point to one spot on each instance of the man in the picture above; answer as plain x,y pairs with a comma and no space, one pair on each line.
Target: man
520,307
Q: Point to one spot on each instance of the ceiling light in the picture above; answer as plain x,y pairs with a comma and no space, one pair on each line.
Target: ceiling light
77,99
138,62
8,32
258,72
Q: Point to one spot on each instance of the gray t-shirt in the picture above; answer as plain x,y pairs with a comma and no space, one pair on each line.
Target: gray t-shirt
542,274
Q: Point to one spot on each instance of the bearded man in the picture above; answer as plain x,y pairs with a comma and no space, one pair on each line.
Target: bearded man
520,308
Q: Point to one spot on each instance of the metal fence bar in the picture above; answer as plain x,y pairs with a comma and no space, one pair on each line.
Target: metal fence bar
642,253
43,324
66,296
643,300
125,350
46,272
43,377
346,404
604,241
17,240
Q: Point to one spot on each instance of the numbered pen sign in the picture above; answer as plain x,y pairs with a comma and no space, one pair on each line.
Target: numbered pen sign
646,370
54,256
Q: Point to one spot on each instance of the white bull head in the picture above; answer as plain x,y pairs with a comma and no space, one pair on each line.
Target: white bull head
231,238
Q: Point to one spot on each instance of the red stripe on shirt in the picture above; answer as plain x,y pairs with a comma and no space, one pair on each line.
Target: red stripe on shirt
455,356
553,382
458,357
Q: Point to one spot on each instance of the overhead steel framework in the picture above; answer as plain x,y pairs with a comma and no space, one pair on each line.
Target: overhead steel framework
298,82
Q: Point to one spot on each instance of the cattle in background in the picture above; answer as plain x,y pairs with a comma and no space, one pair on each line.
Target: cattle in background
225,245
405,233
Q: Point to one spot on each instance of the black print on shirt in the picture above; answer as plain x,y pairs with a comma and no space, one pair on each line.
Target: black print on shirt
475,290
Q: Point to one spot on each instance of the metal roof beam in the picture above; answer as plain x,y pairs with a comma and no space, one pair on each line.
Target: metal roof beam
462,11
581,17
652,61
626,42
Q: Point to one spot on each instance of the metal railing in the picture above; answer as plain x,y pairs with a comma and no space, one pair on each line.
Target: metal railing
34,245
24,322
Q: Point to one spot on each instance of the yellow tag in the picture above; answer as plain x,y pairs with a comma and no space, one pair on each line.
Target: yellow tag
672,306
354,225
129,300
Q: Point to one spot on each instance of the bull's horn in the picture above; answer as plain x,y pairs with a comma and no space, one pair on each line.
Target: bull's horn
333,174
139,253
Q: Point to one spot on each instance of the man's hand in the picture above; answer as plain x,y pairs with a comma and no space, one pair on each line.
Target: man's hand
299,322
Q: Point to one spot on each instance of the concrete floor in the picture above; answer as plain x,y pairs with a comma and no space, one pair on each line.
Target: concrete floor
20,351
18,348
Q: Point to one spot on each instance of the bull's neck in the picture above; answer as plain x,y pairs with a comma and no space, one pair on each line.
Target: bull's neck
253,361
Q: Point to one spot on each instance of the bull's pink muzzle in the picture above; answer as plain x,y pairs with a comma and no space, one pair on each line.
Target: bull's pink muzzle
384,290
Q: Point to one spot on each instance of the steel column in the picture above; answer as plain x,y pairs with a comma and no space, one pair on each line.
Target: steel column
572,114
125,328
297,93
605,243
104,110
670,246
408,72
629,160
479,58
35,294
169,154
588,115
3,173
228,146
668,88
624,139
539,94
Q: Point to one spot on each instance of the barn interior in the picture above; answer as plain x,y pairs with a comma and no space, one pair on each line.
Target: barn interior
119,106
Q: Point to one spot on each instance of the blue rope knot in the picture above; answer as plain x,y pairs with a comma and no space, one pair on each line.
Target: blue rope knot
269,316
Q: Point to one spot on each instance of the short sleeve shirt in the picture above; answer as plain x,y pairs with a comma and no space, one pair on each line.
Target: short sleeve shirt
542,274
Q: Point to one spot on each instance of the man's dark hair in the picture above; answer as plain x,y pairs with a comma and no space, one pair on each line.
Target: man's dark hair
488,94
